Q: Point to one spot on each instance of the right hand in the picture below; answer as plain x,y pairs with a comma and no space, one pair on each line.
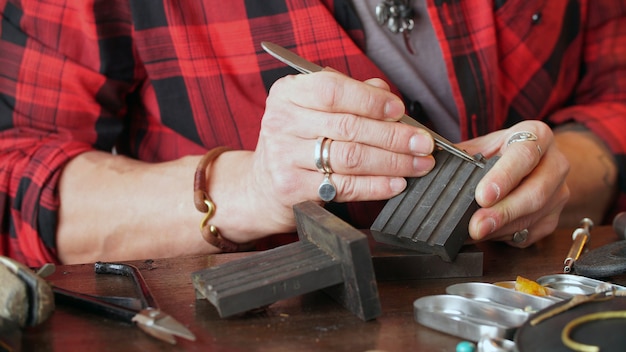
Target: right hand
370,154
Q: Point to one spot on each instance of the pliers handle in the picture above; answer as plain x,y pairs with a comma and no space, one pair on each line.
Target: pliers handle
148,318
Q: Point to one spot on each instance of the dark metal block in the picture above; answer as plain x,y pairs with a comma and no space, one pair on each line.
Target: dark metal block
396,263
433,213
330,255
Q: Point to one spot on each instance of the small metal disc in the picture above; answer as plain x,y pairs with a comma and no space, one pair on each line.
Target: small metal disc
327,190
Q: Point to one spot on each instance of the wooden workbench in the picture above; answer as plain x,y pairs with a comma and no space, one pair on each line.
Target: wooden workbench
312,322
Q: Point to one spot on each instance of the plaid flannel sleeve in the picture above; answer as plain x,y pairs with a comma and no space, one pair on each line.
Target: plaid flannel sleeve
58,97
600,98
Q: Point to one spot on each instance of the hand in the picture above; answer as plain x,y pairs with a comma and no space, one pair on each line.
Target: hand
370,154
525,189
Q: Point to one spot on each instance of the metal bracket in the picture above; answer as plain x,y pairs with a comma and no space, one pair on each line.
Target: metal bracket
330,255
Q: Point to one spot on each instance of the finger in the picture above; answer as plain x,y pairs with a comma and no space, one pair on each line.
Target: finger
361,159
519,158
493,223
308,121
379,83
539,230
536,231
333,92
356,188
358,159
392,136
538,189
342,157
376,82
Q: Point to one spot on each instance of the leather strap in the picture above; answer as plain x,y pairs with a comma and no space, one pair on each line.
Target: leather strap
203,203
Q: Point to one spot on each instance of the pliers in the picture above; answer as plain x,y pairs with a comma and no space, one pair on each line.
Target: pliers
146,315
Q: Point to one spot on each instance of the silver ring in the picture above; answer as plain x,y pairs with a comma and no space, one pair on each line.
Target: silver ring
522,136
318,154
327,190
322,155
520,236
326,155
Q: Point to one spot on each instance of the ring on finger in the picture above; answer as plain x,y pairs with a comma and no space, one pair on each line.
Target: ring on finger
521,136
318,154
520,236
524,136
326,155
327,191
322,155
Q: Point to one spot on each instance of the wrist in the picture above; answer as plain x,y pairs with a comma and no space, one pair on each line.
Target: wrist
204,203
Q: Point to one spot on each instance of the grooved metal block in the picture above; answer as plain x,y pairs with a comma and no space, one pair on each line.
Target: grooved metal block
393,263
330,255
433,213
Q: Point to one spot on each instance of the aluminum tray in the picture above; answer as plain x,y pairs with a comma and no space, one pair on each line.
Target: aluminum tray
506,298
553,294
467,318
575,284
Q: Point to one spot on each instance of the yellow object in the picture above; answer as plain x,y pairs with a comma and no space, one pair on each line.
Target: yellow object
525,285
577,346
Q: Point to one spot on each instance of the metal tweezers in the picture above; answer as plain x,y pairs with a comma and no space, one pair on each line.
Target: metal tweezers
304,66
142,311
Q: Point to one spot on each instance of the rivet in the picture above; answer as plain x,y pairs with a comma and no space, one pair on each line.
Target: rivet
536,17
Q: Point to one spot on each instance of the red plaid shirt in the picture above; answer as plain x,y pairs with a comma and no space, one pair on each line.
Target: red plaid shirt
161,79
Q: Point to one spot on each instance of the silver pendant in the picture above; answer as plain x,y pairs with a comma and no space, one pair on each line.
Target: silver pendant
396,15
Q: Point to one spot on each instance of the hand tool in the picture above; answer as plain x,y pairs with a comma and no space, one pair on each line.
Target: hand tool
148,317
25,297
575,301
304,66
580,236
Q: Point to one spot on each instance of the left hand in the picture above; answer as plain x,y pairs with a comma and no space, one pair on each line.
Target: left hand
524,190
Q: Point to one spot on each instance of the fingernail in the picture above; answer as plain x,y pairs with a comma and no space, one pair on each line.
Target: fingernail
486,226
421,143
496,191
393,109
397,184
488,195
423,165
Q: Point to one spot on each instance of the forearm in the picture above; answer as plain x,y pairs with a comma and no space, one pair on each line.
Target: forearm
113,208
592,178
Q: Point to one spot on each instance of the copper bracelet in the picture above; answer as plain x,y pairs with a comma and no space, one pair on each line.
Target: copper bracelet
203,203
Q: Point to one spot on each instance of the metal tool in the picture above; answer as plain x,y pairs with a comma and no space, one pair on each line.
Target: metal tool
580,236
304,66
573,302
148,317
25,297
